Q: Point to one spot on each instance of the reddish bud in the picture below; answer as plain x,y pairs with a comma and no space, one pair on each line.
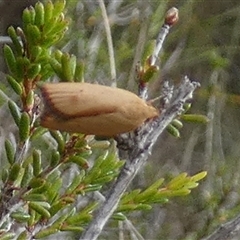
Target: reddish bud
171,16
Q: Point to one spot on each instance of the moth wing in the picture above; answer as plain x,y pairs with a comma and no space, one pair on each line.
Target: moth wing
77,99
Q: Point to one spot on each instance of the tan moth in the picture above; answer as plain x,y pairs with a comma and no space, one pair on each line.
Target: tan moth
93,109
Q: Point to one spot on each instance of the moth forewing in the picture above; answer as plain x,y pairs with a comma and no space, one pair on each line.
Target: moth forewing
93,109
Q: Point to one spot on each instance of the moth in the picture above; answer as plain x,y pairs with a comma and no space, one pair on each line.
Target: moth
92,109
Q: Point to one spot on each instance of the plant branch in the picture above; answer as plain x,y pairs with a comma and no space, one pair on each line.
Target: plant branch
139,146
171,18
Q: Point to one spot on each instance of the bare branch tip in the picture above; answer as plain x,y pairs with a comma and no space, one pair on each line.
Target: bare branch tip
171,16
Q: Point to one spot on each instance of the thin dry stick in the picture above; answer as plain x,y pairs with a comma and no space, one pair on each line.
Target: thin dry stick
109,42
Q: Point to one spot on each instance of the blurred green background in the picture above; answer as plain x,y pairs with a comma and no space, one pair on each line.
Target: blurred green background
204,45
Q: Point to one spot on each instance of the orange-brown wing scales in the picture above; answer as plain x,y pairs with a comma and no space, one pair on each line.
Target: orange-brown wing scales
92,109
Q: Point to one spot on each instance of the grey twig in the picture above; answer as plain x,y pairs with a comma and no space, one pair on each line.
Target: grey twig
136,147
170,19
226,231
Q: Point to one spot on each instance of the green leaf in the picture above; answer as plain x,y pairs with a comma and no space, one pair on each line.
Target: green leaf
149,73
92,188
39,18
10,151
177,123
129,196
24,127
59,6
37,167
22,63
55,158
77,180
79,72
30,99
17,88
10,59
20,216
7,236
39,208
71,228
4,174
177,182
37,133
156,184
173,130
59,139
33,34
119,217
68,67
34,197
33,217
48,10
14,172
199,176
28,16
15,112
26,176
36,182
57,206
45,232
61,220
35,53
195,118
80,161
23,235
33,71
57,68
13,35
